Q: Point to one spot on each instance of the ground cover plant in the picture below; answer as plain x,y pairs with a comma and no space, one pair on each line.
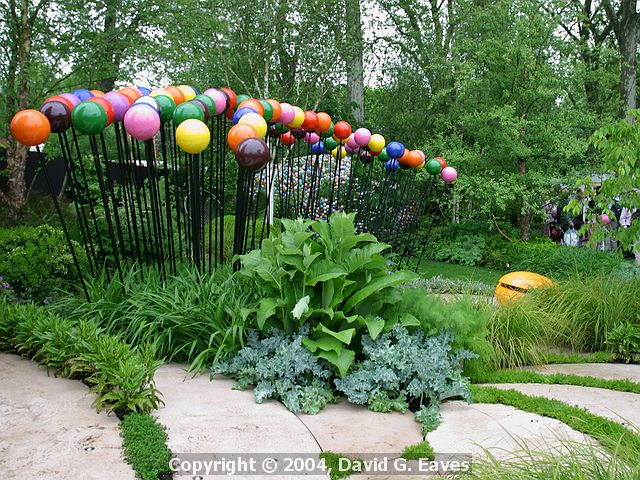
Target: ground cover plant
144,444
120,375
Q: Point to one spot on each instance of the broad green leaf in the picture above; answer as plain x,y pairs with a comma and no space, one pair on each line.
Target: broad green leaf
344,336
327,293
378,284
324,270
409,320
325,342
266,309
342,361
374,325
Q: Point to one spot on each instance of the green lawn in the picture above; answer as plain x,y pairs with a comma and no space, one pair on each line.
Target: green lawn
431,268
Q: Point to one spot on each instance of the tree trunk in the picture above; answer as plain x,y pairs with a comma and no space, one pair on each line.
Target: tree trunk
354,60
628,69
525,216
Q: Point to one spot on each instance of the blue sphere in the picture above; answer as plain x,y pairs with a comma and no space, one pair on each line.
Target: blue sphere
395,149
392,165
144,90
195,89
318,147
83,94
240,112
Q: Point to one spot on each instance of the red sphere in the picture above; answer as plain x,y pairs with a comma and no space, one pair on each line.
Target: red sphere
108,108
310,122
232,96
287,139
342,130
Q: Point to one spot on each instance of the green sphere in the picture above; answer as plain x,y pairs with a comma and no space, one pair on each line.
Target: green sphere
330,144
166,105
281,128
384,156
328,133
433,167
186,111
89,118
208,101
268,110
241,98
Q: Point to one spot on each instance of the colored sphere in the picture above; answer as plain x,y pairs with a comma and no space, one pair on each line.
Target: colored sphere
238,133
392,165
317,148
255,121
252,103
219,98
176,94
298,133
120,105
160,91
252,154
30,127
241,98
287,114
276,108
108,108
192,136
72,98
312,138
131,93
383,156
142,122
365,157
185,111
351,142
166,107
89,118
203,106
342,130
324,122
188,92
231,95
61,99
395,149
328,133
268,110
298,118
83,94
330,143
310,122
449,174
97,93
433,167
339,151
413,159
402,159
144,90
287,139
147,100
441,161
362,137
376,143
58,115
237,115
208,101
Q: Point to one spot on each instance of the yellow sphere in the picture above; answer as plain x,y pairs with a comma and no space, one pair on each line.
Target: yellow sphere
376,143
160,91
255,121
192,136
188,92
421,166
298,118
343,152
515,285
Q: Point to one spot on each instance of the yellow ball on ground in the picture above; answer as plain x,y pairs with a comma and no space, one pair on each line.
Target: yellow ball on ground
193,136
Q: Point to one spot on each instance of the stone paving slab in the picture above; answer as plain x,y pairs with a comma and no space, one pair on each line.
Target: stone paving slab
608,371
622,407
49,430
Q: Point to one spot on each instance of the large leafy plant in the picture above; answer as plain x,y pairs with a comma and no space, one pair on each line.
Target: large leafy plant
329,277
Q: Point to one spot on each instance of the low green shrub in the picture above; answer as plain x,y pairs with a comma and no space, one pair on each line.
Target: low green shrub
325,275
465,250
190,317
465,320
402,369
144,443
121,376
36,262
280,367
624,342
418,451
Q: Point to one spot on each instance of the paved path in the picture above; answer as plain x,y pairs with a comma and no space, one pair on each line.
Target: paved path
609,371
622,407
49,430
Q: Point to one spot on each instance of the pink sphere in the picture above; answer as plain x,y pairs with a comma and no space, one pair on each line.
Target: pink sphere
350,150
362,137
287,115
352,142
219,99
71,97
449,174
142,122
312,138
605,219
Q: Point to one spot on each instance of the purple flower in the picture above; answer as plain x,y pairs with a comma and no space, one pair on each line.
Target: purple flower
46,302
5,285
389,272
389,263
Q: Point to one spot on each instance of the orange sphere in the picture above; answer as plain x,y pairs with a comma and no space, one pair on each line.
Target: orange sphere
277,109
324,122
515,285
413,159
97,93
30,127
176,93
403,159
253,103
238,133
131,94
